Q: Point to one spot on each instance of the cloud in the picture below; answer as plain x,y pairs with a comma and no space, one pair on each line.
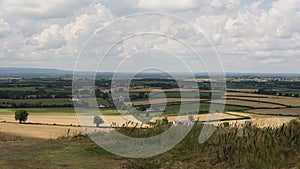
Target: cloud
123,7
40,9
34,31
5,28
272,60
50,38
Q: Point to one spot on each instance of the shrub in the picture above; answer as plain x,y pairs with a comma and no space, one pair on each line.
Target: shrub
21,115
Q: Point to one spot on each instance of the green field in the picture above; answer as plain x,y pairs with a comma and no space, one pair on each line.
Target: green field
182,94
17,89
173,109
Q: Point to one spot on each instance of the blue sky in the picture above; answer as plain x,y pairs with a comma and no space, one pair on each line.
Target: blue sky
248,35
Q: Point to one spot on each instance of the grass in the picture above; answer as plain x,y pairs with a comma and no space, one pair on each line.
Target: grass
182,94
173,109
246,147
14,89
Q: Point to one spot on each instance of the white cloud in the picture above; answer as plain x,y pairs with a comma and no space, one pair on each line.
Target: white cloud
121,7
34,31
41,8
5,28
272,60
50,38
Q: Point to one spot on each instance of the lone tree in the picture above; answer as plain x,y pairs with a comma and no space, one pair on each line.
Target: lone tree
21,115
191,118
98,120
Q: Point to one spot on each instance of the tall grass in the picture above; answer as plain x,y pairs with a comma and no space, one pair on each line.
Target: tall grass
244,146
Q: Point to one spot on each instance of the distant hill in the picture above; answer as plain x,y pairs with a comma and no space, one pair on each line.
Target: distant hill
33,73
52,73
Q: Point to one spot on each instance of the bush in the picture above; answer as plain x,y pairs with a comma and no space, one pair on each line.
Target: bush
21,115
98,120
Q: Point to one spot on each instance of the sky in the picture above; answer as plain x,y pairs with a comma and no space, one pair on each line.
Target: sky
247,35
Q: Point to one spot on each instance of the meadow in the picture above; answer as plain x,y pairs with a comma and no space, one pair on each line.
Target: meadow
246,147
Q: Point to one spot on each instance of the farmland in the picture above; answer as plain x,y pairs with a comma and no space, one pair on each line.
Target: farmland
251,104
282,112
52,117
277,100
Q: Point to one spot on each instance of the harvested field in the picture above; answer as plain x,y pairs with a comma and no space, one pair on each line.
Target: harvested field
241,94
69,120
38,131
249,104
287,101
287,111
201,117
46,129
259,120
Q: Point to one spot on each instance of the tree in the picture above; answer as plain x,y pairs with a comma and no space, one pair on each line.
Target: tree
21,115
165,120
98,120
191,118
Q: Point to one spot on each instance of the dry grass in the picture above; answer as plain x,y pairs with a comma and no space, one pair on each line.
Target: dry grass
288,101
260,120
287,111
200,117
50,126
241,94
38,131
248,104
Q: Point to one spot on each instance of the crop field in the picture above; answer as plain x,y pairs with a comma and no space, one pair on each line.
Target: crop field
168,100
18,89
39,131
173,109
242,90
241,94
251,104
283,112
148,90
287,101
42,101
201,117
260,120
182,95
56,111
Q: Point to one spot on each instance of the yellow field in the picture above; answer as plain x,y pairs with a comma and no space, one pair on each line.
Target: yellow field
200,117
38,131
287,111
288,101
246,94
260,120
248,104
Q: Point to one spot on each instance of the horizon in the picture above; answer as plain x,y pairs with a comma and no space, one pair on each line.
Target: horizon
242,73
